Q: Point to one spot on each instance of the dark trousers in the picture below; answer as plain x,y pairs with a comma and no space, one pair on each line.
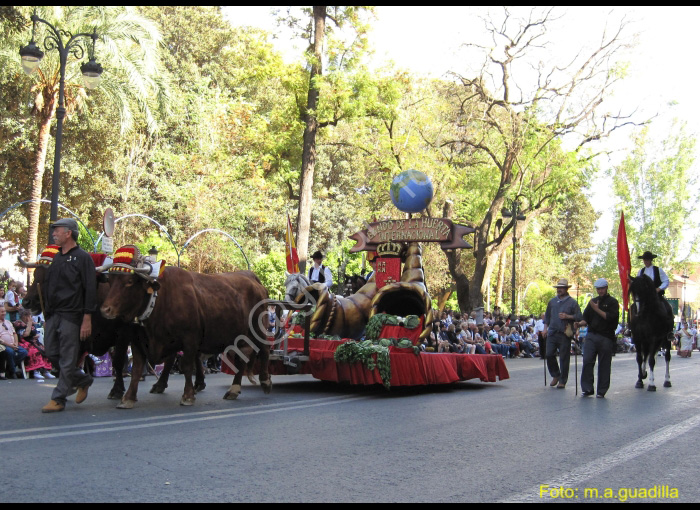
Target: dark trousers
561,342
602,347
62,342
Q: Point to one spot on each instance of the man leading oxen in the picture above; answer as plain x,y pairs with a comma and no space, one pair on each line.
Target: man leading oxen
195,313
105,334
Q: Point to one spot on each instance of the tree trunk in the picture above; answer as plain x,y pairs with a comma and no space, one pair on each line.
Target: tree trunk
37,186
308,158
454,263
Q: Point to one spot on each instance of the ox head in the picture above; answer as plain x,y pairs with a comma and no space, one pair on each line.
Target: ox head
130,285
128,296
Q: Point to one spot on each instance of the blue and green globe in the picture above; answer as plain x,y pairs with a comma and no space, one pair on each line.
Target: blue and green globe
411,191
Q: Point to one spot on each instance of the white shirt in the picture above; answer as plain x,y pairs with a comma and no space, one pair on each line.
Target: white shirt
7,333
649,271
314,275
11,298
539,326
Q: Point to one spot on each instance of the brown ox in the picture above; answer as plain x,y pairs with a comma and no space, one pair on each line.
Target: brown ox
197,314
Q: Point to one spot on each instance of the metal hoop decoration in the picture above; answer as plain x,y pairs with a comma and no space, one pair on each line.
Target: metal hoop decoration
15,206
220,232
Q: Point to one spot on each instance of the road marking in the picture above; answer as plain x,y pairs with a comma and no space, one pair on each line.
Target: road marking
581,474
137,423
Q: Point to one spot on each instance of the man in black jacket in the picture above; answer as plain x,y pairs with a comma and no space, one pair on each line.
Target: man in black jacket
70,300
601,316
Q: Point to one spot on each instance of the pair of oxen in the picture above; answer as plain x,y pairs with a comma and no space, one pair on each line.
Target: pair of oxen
198,314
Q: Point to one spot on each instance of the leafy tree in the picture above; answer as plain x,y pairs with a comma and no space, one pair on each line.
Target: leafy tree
653,186
514,131
128,52
340,56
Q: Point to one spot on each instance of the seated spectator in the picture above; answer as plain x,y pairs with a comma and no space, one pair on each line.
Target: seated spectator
443,339
37,362
14,354
531,337
467,335
525,348
456,345
480,347
506,338
498,341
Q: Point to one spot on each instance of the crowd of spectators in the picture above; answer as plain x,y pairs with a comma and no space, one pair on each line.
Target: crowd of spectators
496,334
21,340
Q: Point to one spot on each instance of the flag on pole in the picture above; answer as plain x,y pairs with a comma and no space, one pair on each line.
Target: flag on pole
624,265
291,249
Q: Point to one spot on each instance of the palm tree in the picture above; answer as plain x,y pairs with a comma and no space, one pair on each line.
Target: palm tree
128,51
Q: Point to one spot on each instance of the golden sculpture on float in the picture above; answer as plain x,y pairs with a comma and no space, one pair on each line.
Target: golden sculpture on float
347,317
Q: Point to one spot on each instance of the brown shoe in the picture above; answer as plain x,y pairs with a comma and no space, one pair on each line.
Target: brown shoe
554,381
82,395
561,385
52,407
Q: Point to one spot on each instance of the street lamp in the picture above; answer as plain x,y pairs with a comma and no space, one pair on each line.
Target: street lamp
513,213
92,71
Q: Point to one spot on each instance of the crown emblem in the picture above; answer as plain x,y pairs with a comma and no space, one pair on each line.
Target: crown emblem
389,249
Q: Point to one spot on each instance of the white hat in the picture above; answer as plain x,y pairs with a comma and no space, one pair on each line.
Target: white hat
600,283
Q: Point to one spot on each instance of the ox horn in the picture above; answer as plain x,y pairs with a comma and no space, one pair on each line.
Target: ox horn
144,270
101,269
24,263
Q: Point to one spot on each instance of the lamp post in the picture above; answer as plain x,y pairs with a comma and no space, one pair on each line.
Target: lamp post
685,279
92,71
513,213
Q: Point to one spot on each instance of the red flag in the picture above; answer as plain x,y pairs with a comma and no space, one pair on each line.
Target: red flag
291,249
624,266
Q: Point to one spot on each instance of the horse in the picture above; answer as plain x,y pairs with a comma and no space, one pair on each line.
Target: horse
352,284
294,285
650,325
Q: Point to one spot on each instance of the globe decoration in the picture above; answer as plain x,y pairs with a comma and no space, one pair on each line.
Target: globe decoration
411,191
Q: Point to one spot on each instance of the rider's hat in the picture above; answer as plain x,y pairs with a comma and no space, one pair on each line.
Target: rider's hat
647,255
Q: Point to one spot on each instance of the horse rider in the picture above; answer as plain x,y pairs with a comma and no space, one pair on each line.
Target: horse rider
318,272
658,276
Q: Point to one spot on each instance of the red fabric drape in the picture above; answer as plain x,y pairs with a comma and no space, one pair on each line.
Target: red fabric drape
407,369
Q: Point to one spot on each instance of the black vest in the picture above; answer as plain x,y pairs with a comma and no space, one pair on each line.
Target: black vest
657,278
321,274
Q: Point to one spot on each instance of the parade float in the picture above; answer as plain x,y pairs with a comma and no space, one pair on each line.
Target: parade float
373,336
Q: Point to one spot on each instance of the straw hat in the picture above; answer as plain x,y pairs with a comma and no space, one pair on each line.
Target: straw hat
562,283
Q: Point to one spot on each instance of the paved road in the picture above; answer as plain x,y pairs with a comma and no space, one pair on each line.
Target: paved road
308,440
